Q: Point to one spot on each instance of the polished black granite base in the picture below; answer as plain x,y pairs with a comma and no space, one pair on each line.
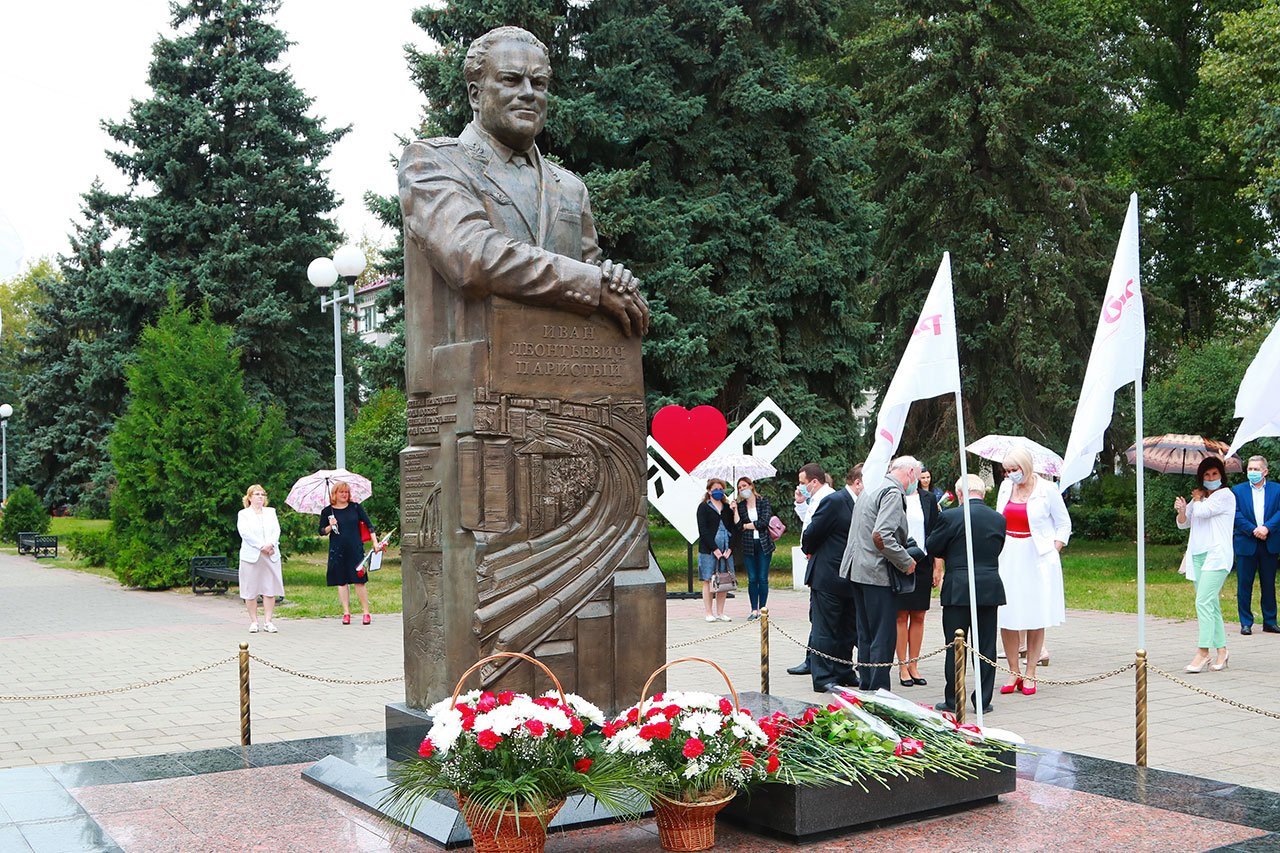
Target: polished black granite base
406,727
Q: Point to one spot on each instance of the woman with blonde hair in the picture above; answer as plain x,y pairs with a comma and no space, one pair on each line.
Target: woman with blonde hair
715,520
341,521
260,571
1037,529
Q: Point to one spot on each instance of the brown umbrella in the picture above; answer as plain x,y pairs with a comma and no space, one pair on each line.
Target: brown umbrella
1182,454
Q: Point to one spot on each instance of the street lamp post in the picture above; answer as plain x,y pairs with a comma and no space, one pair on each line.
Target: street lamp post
323,273
6,412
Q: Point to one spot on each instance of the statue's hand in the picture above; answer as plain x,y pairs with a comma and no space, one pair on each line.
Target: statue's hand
620,298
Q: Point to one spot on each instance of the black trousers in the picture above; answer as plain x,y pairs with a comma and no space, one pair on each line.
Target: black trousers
956,617
833,633
877,615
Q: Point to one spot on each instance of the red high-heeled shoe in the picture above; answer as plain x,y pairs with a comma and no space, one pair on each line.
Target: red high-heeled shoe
1029,691
1012,688
346,618
366,620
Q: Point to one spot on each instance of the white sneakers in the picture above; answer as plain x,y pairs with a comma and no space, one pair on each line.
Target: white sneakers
723,617
270,629
253,627
711,618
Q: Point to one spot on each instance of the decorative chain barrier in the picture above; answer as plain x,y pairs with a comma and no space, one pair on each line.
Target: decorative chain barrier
1210,694
326,679
140,685
1068,682
826,656
726,632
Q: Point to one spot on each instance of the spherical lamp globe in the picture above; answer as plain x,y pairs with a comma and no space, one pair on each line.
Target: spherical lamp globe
322,273
349,260
6,411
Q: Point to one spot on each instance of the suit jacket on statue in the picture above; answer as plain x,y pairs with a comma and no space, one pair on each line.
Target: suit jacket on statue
486,239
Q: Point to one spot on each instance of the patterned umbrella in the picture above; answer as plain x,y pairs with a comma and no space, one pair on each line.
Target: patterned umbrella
997,447
1181,454
311,493
730,466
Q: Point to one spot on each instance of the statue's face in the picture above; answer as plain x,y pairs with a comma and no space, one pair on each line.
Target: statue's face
511,99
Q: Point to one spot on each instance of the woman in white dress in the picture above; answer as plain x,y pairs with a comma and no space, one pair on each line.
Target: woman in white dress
260,572
1038,528
1209,515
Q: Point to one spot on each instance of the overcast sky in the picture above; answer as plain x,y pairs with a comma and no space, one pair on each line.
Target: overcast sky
67,64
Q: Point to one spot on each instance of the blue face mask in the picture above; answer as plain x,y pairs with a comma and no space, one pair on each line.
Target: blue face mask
1255,477
911,489
1212,485
804,490
717,494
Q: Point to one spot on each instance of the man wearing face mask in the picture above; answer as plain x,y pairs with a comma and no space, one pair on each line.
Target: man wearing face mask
1255,546
810,492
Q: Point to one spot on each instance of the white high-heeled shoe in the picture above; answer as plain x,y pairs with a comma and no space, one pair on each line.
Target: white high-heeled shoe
1200,668
1219,667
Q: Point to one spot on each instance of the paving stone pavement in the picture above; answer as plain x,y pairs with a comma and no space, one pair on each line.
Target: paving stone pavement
67,632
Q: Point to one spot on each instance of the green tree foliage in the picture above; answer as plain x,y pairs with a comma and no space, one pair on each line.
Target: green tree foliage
19,298
990,125
73,355
721,170
373,449
23,513
187,446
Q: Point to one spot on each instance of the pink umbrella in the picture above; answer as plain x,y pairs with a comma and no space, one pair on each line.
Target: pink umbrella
997,447
311,493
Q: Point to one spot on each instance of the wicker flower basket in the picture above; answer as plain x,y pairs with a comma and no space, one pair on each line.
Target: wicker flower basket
688,826
509,832
685,826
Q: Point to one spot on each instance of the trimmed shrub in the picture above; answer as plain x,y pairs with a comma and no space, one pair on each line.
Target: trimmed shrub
95,547
23,513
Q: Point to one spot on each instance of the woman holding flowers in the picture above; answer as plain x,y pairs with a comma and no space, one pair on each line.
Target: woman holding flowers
1209,516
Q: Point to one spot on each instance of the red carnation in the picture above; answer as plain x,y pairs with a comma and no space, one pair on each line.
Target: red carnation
487,702
575,726
660,730
582,765
506,697
488,739
537,728
908,746
770,730
773,763
427,749
653,712
633,715
693,748
809,715
657,697
747,761
468,718
610,728
671,710
726,707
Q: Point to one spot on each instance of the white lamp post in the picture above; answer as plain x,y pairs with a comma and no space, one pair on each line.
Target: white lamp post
323,273
6,412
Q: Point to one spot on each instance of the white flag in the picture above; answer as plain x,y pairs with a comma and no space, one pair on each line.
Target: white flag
1119,348
1258,400
929,367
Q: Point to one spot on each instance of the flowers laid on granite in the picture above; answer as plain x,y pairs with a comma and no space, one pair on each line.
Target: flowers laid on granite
512,760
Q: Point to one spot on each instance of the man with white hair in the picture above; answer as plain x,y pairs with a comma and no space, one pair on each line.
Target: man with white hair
876,560
946,544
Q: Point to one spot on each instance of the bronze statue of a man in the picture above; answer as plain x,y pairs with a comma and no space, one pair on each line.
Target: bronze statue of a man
523,491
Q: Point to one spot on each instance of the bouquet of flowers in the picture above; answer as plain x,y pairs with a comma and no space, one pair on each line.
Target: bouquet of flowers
948,500
692,746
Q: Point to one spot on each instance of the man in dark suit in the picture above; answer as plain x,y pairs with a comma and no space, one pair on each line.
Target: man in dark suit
1257,516
831,596
946,541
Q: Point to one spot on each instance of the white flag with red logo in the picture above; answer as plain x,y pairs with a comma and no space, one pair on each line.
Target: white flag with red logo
929,367
1119,349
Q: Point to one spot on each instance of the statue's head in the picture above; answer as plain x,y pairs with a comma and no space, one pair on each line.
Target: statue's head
507,73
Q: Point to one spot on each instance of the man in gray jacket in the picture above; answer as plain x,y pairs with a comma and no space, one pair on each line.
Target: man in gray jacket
877,546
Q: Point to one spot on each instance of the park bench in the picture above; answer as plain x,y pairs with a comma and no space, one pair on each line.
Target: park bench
212,574
26,542
44,546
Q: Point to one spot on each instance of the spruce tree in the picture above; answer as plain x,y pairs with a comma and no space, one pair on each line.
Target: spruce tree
991,128
186,448
721,171
228,200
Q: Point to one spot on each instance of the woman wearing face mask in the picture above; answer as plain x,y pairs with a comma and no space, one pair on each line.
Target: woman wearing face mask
715,520
1209,516
922,515
751,516
1037,529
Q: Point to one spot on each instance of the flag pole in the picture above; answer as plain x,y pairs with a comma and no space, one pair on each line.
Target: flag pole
1142,517
972,633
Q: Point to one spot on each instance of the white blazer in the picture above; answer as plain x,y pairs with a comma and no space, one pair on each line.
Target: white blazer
1046,513
1210,522
257,531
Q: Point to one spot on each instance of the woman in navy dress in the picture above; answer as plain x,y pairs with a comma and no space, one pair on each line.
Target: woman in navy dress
340,521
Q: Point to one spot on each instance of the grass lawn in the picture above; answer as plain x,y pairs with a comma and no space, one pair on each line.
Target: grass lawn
1098,575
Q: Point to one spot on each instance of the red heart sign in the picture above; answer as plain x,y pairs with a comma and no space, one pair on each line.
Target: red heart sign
689,436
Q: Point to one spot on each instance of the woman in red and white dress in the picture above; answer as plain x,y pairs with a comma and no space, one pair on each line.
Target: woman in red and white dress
1038,528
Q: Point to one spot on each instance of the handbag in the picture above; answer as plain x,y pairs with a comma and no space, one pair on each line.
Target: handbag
776,528
724,578
366,535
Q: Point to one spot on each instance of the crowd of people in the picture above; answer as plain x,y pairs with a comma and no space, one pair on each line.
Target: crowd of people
875,552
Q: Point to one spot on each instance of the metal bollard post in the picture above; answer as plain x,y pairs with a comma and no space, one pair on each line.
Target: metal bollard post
244,694
962,691
1140,709
764,650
